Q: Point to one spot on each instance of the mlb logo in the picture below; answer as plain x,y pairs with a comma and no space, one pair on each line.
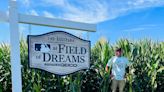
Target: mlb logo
42,47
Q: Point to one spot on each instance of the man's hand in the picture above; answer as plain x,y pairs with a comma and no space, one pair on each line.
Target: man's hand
106,68
111,76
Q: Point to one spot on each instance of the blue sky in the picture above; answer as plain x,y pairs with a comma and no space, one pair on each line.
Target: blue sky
132,19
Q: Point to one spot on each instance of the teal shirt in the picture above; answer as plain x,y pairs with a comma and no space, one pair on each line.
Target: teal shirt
119,65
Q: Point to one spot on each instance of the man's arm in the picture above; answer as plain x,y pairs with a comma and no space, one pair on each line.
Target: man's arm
107,68
108,64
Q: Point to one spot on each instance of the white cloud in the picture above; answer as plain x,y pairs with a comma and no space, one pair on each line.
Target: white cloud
135,29
88,11
56,2
26,2
125,7
92,11
139,4
48,14
33,12
144,27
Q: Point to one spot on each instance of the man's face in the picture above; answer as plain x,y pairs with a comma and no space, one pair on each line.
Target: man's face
118,53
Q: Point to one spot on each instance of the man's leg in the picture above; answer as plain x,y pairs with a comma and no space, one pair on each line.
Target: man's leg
114,85
121,85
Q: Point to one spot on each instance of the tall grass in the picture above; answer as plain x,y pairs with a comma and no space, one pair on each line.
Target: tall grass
146,73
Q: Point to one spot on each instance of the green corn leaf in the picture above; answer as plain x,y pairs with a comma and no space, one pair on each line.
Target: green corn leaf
160,69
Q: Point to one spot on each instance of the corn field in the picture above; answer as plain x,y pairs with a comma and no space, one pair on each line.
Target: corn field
146,74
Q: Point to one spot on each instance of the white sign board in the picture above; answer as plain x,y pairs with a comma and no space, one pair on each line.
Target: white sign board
58,52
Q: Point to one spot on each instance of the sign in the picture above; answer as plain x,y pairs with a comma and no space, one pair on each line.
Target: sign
58,52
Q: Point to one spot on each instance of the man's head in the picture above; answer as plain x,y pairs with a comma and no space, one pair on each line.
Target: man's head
118,52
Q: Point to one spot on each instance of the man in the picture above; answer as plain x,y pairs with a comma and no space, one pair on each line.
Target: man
119,65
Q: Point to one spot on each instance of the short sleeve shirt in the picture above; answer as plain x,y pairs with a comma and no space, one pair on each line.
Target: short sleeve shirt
119,65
